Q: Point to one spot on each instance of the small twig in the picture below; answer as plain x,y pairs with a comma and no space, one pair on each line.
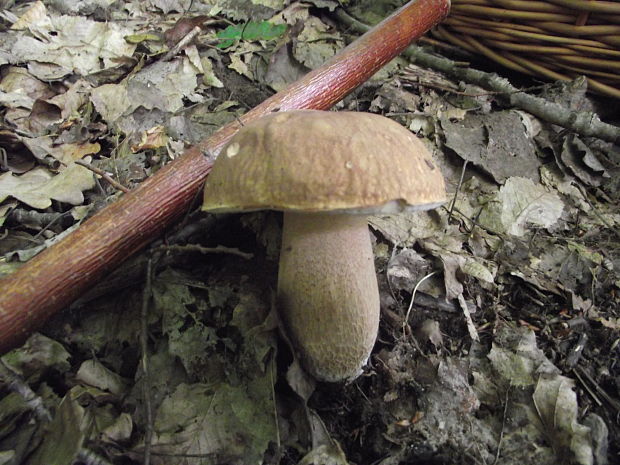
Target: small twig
501,433
474,223
471,327
458,189
181,43
272,367
201,249
34,217
178,455
576,372
577,351
4,159
437,303
413,293
407,76
580,373
132,272
35,403
16,384
387,276
49,225
103,174
594,209
146,383
443,88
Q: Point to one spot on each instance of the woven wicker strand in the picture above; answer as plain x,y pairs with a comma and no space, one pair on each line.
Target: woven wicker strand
550,39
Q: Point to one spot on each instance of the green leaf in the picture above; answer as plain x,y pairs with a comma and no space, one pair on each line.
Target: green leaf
253,30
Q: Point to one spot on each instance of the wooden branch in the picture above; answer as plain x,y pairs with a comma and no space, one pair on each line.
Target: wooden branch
59,275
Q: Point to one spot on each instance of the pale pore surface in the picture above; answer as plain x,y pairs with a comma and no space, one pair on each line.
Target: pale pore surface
328,296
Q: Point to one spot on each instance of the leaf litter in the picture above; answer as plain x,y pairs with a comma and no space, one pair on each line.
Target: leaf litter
524,257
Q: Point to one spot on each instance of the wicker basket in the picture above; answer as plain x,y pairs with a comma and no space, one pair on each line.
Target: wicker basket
554,39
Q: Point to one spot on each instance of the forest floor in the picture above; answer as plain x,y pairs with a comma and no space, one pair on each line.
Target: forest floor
505,353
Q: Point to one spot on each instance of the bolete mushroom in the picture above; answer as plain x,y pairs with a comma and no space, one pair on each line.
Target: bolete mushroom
326,171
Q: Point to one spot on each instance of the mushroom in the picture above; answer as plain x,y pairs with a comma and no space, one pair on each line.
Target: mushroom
326,171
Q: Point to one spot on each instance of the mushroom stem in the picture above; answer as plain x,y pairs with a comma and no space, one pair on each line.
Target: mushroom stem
328,296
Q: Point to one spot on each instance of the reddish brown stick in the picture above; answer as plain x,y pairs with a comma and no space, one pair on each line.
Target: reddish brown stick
60,274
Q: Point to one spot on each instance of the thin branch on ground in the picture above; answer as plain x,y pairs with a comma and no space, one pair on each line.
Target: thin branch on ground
146,380
458,189
413,294
103,175
17,385
34,402
205,250
471,327
181,44
501,433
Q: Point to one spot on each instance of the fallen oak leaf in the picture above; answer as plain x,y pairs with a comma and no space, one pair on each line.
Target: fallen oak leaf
38,187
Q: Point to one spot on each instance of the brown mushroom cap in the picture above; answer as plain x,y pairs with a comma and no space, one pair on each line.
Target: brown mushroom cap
317,161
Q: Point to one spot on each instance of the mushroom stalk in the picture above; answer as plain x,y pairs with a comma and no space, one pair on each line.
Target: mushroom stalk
328,297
